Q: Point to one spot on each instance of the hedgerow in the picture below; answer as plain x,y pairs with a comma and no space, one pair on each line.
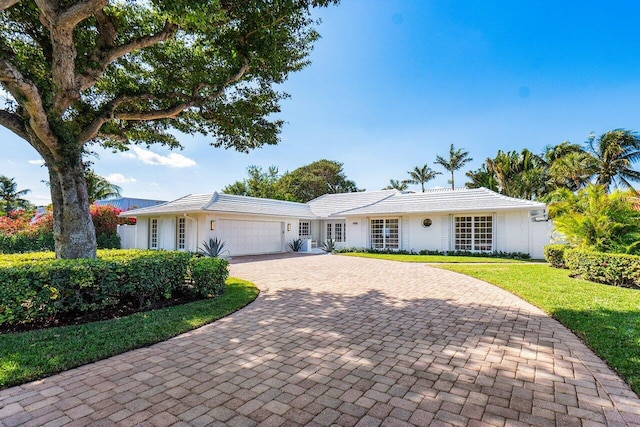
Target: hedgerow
608,268
554,254
36,286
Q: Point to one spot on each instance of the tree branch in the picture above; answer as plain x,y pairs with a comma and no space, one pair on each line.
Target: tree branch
80,11
27,95
89,77
14,123
6,4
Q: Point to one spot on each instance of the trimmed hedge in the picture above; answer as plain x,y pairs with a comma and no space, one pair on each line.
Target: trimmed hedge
554,254
494,254
208,276
607,268
37,287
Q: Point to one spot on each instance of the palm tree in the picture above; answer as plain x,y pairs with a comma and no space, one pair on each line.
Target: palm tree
396,184
615,152
573,170
420,175
457,159
554,152
99,188
10,196
522,175
481,177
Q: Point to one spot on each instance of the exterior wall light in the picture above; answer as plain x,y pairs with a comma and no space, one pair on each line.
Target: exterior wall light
213,224
288,227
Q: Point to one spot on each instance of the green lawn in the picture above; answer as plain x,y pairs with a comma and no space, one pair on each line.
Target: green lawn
606,318
433,258
31,355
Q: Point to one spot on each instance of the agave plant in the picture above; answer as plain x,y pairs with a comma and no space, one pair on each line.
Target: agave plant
296,245
329,246
214,248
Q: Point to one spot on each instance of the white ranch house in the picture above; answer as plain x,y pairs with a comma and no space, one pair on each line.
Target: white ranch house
441,219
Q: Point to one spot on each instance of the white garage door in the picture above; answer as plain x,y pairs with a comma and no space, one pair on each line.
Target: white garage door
251,237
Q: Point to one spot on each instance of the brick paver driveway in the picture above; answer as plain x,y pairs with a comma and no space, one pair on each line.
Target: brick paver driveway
346,341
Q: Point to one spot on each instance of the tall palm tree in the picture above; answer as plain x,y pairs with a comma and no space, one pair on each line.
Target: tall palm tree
10,196
554,152
573,170
396,184
99,188
615,152
457,159
420,175
522,175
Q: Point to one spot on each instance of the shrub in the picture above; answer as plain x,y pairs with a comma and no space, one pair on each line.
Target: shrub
554,254
611,269
37,287
329,246
208,276
213,249
494,254
296,245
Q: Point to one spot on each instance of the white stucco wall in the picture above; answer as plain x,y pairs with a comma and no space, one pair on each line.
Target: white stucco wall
514,231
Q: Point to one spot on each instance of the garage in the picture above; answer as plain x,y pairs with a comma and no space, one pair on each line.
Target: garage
252,237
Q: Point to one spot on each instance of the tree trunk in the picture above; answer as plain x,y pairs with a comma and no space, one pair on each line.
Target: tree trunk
73,230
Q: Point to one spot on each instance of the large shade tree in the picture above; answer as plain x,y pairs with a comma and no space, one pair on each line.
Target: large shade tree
316,179
75,73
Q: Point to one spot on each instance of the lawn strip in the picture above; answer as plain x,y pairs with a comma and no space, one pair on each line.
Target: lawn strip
606,318
32,355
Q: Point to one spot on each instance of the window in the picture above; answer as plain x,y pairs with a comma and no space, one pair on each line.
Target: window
474,233
153,234
329,233
338,232
181,229
384,233
303,230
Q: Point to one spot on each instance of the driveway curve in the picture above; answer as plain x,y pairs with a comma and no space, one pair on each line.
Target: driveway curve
346,341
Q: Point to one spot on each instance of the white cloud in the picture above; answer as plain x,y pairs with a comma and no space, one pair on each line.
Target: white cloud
173,160
118,178
153,184
36,162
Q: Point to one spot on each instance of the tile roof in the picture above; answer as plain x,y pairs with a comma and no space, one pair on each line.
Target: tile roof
445,200
219,202
127,203
253,205
345,204
331,204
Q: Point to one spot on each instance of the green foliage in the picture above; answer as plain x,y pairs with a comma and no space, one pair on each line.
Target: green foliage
421,175
301,185
27,356
11,197
99,188
610,269
494,254
615,152
35,286
296,245
314,180
435,258
554,254
214,248
396,184
208,276
260,183
593,219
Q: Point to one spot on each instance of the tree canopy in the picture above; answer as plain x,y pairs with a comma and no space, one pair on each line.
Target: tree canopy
122,73
300,185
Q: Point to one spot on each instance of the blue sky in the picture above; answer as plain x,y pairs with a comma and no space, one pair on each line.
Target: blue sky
393,82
